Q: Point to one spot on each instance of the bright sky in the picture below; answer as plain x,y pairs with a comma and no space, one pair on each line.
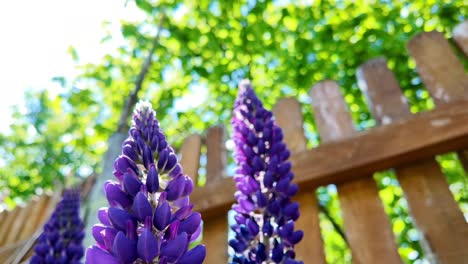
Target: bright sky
35,36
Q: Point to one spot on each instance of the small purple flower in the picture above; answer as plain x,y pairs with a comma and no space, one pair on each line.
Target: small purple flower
61,240
265,214
150,218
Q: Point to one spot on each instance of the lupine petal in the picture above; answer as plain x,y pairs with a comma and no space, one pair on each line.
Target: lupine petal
194,256
152,180
296,237
147,157
124,248
175,188
115,195
172,230
96,233
253,227
148,247
183,212
190,224
188,186
162,215
175,248
171,162
122,163
196,234
162,159
95,255
119,218
142,207
130,152
131,184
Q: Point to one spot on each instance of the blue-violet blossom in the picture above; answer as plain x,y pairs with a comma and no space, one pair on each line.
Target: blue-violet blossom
61,240
150,217
265,214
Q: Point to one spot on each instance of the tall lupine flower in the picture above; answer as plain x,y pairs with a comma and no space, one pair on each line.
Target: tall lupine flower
150,218
61,240
265,214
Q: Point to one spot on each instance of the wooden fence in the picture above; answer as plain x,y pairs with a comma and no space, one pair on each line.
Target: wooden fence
20,228
346,158
403,141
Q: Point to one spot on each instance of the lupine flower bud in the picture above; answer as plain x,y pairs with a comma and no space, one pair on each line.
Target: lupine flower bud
61,240
265,214
150,218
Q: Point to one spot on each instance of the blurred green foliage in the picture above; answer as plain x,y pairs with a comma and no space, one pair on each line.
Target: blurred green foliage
205,49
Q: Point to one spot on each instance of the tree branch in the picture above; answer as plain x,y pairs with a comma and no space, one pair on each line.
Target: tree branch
336,226
133,96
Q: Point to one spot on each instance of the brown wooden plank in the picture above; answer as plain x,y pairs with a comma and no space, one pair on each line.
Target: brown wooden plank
34,222
367,227
215,239
20,221
441,71
5,228
7,251
429,198
190,153
438,215
460,35
420,136
216,156
382,91
3,214
288,116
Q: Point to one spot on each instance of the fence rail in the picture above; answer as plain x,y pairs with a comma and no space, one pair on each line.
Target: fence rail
401,140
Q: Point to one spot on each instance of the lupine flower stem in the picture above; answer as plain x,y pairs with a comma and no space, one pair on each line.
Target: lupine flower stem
265,214
61,240
150,218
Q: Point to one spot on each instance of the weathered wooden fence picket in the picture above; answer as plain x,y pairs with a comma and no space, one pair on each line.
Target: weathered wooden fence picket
403,141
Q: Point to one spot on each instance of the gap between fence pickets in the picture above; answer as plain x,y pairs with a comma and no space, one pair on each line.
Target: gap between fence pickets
367,227
417,137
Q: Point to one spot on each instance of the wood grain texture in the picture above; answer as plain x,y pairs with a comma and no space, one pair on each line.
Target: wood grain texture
35,221
5,228
20,221
7,251
431,203
441,71
436,212
216,156
367,227
417,137
190,155
215,239
460,35
288,116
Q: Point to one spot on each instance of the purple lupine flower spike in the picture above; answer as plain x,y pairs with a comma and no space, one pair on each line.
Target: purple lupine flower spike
150,218
265,214
61,240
